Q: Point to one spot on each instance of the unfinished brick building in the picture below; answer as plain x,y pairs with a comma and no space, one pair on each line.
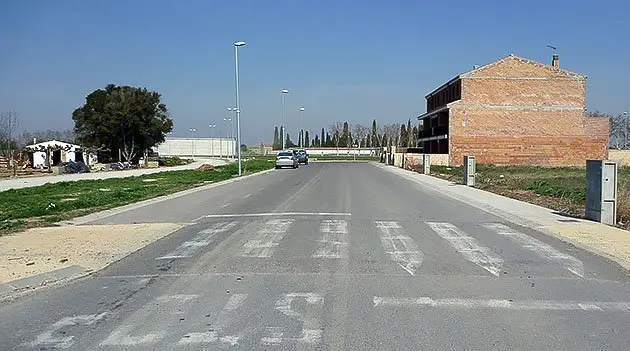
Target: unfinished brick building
514,111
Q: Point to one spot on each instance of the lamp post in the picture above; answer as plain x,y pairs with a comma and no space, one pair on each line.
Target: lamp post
192,141
284,118
212,126
238,106
233,109
227,135
301,127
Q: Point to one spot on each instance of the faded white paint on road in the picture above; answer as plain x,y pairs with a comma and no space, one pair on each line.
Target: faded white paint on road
267,238
469,247
525,305
279,214
225,318
400,248
204,238
334,242
55,337
543,250
311,319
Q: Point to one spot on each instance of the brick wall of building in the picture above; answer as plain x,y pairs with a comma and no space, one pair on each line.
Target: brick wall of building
520,112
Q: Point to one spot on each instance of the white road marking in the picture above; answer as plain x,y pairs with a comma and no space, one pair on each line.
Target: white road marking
121,337
334,243
48,339
311,324
226,205
542,249
204,238
224,319
261,189
274,336
267,238
278,214
469,247
207,338
180,298
526,305
235,302
400,248
246,196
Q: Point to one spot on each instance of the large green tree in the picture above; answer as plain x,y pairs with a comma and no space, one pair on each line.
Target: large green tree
122,118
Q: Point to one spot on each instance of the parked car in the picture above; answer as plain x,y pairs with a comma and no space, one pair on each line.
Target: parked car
302,156
286,159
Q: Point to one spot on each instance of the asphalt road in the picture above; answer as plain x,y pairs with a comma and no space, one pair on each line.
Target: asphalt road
333,256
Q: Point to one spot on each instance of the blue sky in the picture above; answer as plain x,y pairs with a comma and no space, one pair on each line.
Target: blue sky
342,60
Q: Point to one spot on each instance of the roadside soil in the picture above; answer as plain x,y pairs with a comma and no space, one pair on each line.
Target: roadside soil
41,250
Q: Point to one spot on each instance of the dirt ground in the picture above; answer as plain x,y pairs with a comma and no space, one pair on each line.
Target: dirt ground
42,250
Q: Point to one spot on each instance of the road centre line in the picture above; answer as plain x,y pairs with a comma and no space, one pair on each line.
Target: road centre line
525,305
246,196
226,205
273,214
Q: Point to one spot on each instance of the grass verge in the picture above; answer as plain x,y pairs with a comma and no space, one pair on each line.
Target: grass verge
42,205
559,188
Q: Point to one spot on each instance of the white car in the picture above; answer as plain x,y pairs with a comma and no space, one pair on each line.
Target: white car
286,159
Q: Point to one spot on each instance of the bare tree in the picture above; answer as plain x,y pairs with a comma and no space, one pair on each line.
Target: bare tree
392,132
359,134
9,122
337,130
619,129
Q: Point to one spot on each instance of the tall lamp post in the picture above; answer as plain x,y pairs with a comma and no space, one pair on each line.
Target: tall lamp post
227,135
284,118
232,134
238,106
301,127
192,141
212,126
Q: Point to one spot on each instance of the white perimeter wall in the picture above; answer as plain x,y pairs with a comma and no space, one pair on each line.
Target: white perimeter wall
197,147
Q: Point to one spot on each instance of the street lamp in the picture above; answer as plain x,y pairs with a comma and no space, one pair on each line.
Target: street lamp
301,128
192,141
227,135
284,118
238,106
169,144
212,126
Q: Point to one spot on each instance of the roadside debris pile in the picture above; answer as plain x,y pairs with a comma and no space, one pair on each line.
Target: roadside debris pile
76,167
206,168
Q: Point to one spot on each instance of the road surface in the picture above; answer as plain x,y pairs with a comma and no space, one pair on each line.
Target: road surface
333,256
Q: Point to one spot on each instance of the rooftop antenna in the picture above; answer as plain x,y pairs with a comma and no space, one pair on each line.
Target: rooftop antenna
553,48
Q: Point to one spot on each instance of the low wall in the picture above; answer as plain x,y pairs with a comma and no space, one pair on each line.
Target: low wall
414,161
622,157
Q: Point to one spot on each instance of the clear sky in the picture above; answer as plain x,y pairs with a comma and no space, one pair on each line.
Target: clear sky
342,60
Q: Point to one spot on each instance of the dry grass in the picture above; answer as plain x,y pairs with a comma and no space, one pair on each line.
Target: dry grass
560,188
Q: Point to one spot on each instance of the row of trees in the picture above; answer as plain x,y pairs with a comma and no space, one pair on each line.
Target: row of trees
343,134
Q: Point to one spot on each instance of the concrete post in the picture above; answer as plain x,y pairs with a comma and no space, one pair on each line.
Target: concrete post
601,191
426,164
470,170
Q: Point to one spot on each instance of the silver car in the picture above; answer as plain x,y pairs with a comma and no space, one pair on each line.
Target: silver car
286,159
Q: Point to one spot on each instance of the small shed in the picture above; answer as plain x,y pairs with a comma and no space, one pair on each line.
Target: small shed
56,152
